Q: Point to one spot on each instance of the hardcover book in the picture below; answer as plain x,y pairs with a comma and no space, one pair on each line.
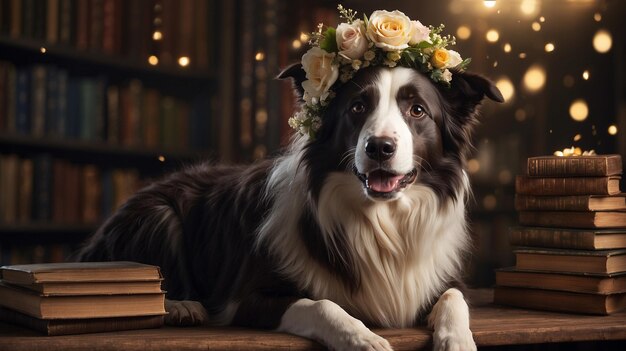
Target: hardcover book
573,219
570,203
561,301
114,271
573,261
564,238
83,306
80,326
558,166
574,282
526,185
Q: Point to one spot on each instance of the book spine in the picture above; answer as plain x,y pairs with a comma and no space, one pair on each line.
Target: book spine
557,219
556,238
551,203
52,22
563,186
575,166
38,100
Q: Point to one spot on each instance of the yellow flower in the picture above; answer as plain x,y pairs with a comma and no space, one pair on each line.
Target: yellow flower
440,58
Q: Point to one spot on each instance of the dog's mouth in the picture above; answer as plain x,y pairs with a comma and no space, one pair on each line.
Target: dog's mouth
385,184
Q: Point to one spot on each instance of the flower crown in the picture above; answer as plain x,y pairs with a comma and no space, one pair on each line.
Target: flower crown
384,39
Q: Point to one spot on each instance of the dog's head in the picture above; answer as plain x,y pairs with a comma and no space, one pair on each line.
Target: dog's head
394,127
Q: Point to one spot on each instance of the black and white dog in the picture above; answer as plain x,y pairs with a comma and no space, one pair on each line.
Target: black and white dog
363,225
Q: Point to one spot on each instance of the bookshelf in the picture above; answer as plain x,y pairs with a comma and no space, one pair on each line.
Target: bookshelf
97,97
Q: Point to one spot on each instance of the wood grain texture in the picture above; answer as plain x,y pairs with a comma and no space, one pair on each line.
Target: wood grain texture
492,325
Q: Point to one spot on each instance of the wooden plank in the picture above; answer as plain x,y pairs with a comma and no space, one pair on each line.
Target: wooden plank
492,325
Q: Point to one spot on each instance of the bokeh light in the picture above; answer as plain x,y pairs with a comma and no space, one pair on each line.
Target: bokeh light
579,110
534,78
602,41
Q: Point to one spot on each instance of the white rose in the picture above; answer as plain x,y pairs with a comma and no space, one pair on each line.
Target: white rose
321,73
454,60
419,33
351,40
446,76
390,31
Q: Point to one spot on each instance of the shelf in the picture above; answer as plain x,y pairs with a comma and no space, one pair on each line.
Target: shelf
94,149
31,49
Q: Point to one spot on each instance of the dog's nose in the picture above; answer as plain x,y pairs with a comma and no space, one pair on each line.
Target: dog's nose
380,148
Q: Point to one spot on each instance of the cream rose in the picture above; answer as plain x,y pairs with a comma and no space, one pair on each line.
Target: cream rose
321,73
455,59
351,40
390,31
419,33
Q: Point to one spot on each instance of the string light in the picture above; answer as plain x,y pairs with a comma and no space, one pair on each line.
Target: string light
577,137
153,60
463,32
161,158
473,166
597,16
578,110
492,36
536,26
259,56
612,129
157,35
549,47
602,41
43,50
586,74
534,78
506,87
304,37
296,44
183,61
489,3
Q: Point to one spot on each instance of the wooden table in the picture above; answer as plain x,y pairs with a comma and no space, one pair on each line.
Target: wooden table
492,326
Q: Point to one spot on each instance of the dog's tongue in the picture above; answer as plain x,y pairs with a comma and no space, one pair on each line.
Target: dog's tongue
383,182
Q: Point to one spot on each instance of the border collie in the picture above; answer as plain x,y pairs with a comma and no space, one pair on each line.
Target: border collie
363,225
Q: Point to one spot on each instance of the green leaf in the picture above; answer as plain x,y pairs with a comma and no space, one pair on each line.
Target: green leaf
329,43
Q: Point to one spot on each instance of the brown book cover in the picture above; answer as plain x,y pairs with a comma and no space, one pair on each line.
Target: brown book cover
573,219
526,185
560,301
558,166
92,194
83,13
95,288
111,26
79,272
82,306
573,261
16,19
53,327
574,282
66,21
25,191
568,238
571,203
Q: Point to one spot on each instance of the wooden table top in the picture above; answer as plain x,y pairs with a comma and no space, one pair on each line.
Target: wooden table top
491,324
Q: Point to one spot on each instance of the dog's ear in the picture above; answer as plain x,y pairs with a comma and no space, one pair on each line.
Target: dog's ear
297,74
475,87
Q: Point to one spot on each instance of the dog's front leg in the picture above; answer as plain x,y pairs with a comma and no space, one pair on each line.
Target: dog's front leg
450,321
329,324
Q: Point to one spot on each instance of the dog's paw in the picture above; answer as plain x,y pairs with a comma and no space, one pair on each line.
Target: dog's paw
459,340
364,341
185,313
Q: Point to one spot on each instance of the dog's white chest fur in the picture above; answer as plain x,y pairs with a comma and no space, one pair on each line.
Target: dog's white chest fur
405,251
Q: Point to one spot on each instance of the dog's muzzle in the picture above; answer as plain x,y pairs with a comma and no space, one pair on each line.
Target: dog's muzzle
385,184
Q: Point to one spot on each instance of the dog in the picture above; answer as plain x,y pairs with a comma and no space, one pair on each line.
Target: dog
364,225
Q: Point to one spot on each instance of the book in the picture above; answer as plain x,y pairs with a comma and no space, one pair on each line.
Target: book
573,261
575,282
53,327
571,203
561,301
83,306
95,288
526,185
573,219
596,165
113,271
568,238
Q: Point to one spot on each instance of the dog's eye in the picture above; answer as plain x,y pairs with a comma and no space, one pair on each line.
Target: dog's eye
417,111
357,107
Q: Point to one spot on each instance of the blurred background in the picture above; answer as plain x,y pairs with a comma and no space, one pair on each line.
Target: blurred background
98,97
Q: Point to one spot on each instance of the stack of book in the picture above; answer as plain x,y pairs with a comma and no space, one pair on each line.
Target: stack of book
85,297
571,242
